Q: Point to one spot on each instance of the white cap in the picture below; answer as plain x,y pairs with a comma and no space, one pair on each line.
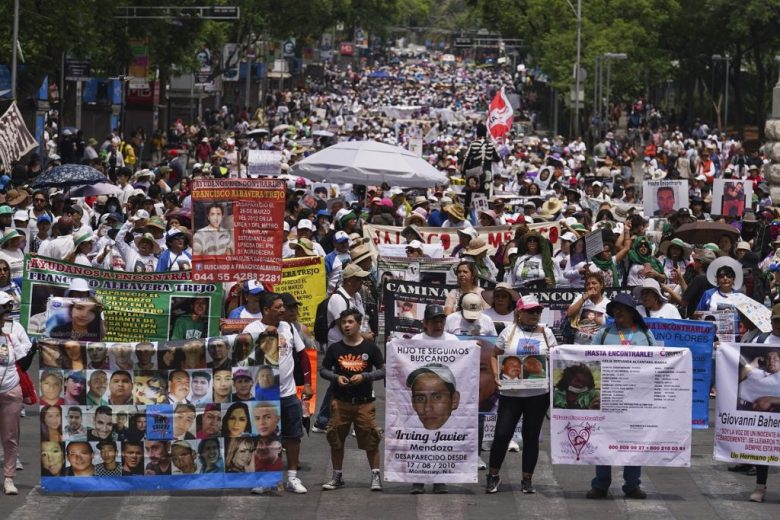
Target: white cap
340,236
569,237
305,223
141,214
21,215
5,298
286,227
414,244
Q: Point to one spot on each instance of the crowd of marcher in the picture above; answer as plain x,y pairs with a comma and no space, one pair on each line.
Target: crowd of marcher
526,178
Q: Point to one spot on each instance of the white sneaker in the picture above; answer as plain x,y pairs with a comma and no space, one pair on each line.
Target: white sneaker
513,446
19,464
23,413
315,429
294,485
9,488
482,465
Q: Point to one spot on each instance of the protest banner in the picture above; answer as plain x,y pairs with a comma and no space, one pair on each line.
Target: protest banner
730,197
404,305
304,278
544,177
698,336
758,313
194,414
431,271
135,306
431,412
399,250
726,323
495,236
663,198
237,229
264,163
15,139
747,408
635,411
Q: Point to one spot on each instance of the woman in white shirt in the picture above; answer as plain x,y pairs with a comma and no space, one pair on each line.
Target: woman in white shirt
530,341
11,251
654,305
502,302
535,265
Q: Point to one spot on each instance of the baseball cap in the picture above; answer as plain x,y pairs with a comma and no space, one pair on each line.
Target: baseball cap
241,372
21,215
253,287
305,223
414,244
289,300
471,306
341,237
5,299
433,310
44,218
527,302
432,368
470,231
352,270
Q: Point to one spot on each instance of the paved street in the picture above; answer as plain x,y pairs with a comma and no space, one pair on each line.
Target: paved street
706,490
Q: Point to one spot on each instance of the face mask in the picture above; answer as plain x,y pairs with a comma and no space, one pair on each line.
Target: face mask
576,390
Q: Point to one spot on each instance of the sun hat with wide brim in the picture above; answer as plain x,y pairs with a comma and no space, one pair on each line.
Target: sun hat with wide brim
725,261
488,294
627,301
150,238
551,207
455,211
649,284
666,244
83,236
9,234
476,246
306,245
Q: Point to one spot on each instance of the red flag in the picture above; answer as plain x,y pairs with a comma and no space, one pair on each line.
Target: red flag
499,119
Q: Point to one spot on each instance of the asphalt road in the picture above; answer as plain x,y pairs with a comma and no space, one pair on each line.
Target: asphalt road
705,490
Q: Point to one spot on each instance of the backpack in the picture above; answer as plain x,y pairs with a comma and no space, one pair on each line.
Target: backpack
321,325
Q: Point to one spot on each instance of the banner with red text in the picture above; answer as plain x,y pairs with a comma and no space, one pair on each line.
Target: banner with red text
747,409
237,229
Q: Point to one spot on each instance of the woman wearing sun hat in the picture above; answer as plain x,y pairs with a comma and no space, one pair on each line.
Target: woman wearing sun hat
726,275
675,257
11,251
83,240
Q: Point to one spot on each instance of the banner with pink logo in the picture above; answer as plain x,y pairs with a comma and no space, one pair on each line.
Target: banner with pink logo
621,405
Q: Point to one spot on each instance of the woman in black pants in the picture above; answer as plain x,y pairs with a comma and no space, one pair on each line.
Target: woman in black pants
524,389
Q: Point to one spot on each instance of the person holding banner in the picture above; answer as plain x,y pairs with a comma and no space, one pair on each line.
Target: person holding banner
292,410
525,337
534,267
468,282
586,314
628,329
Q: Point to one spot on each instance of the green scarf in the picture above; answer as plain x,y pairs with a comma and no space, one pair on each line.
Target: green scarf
607,265
635,258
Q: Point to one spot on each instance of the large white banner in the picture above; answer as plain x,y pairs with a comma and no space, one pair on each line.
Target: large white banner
448,237
431,412
621,405
747,419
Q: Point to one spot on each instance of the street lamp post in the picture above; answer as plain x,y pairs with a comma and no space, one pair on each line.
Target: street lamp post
727,59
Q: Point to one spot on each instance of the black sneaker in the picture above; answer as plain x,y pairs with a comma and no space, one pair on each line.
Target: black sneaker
334,483
637,493
440,489
493,481
527,487
596,493
417,489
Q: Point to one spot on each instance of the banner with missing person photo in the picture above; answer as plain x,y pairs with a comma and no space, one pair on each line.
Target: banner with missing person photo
193,414
69,301
620,405
747,408
431,412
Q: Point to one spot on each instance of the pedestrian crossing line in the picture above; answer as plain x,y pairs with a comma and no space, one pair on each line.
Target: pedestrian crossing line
442,507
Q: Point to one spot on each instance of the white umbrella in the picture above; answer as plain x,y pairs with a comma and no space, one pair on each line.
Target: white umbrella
322,133
91,190
281,128
369,162
257,131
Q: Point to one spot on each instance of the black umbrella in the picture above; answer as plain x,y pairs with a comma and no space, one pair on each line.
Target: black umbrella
67,176
702,232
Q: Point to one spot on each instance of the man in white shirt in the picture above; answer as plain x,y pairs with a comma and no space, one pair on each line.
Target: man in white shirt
271,323
470,321
433,325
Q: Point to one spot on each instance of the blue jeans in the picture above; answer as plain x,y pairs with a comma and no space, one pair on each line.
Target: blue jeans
603,478
323,416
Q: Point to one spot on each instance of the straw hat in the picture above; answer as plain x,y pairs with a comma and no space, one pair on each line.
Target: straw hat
551,207
686,247
455,211
476,246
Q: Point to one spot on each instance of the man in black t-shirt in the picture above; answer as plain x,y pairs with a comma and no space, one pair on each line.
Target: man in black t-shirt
352,364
